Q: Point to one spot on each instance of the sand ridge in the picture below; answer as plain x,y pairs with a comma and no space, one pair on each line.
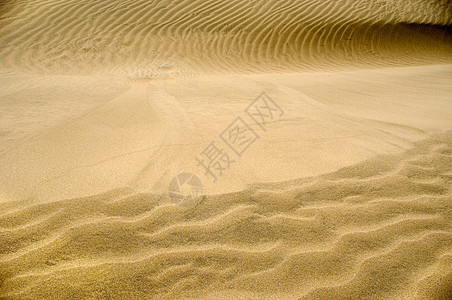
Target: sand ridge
149,133
346,196
387,218
155,39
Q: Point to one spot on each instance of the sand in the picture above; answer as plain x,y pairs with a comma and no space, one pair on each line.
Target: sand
340,190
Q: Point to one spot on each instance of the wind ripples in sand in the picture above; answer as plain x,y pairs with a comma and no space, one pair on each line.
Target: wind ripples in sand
165,39
379,229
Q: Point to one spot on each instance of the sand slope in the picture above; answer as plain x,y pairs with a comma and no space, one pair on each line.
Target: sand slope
153,39
379,229
85,213
149,133
347,195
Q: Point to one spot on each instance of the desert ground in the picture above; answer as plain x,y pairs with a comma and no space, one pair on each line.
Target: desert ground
225,149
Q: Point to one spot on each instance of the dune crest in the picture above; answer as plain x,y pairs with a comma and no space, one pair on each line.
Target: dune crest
106,107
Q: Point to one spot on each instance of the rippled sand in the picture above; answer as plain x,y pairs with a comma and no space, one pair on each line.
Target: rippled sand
345,193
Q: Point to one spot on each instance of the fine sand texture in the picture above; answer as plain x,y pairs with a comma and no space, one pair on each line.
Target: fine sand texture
340,187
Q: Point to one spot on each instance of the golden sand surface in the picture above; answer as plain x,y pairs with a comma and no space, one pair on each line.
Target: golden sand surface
340,187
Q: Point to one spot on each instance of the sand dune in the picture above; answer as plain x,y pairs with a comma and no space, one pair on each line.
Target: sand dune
153,39
345,195
148,133
379,229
